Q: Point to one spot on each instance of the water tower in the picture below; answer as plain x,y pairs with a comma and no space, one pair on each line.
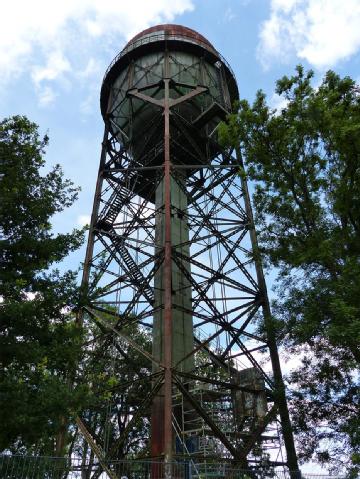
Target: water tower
172,254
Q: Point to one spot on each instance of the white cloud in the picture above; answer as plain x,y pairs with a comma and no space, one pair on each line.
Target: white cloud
229,15
56,66
92,66
89,105
56,40
278,102
322,32
83,220
46,96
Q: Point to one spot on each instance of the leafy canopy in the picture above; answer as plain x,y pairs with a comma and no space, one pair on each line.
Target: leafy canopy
304,162
38,340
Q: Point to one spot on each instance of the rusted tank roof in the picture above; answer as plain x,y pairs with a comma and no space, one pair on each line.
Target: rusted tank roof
155,39
173,31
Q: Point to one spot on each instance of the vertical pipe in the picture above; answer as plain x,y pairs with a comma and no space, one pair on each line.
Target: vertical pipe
168,439
279,393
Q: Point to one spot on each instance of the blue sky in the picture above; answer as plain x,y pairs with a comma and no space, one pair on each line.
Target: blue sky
53,56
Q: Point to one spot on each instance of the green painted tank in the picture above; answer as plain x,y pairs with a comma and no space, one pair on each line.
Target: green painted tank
189,61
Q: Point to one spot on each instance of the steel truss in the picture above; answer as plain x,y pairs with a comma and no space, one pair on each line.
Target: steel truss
229,296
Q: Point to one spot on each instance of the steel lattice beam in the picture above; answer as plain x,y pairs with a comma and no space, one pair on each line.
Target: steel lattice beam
216,258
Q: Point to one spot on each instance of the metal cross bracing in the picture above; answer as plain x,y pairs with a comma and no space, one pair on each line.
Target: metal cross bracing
225,292
172,240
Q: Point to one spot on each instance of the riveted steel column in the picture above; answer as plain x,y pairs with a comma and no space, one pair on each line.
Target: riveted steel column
279,393
168,436
95,212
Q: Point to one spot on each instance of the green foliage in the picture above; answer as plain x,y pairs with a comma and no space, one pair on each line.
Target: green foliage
39,342
115,373
304,161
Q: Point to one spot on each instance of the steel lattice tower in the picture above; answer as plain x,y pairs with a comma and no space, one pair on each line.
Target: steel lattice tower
172,250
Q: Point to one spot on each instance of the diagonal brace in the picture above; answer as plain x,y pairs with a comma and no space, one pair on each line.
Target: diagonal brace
216,430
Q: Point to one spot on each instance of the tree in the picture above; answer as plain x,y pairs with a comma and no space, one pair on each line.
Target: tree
39,341
304,161
119,379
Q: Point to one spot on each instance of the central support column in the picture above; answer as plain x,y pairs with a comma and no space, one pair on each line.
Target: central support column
182,342
172,327
167,274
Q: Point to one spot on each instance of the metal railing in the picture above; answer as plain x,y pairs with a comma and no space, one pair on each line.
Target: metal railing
40,467
162,37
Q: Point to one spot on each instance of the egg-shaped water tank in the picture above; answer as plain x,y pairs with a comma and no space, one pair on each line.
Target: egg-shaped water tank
202,89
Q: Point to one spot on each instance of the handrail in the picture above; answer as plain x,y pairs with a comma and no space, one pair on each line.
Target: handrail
162,37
